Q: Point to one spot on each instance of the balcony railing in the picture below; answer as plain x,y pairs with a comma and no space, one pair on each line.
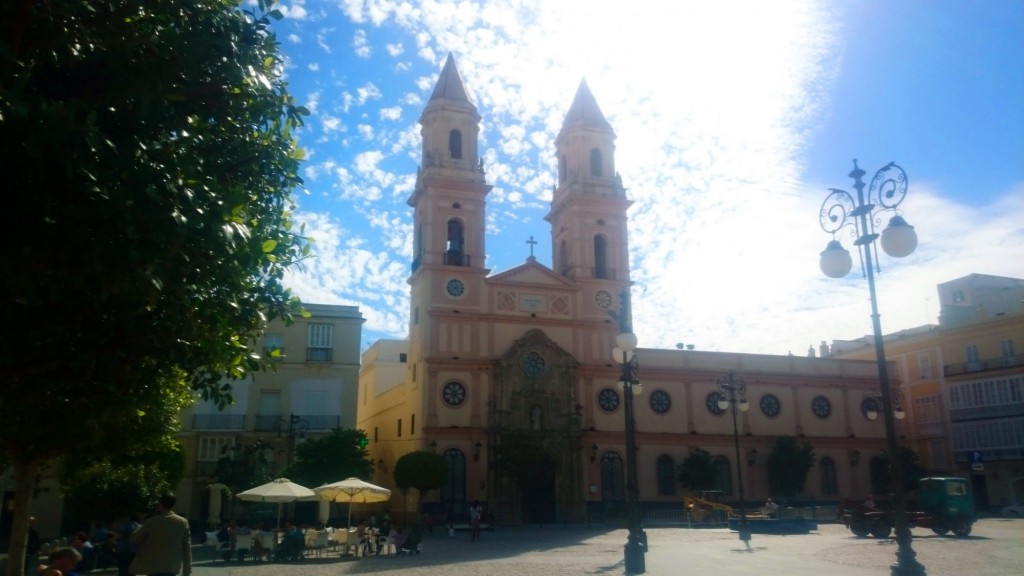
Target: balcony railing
1008,410
318,422
218,421
983,365
452,258
319,354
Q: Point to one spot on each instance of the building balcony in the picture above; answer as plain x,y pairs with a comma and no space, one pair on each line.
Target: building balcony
986,412
456,258
319,354
313,423
1000,363
218,421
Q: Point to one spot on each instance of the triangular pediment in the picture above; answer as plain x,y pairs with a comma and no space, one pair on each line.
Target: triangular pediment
531,273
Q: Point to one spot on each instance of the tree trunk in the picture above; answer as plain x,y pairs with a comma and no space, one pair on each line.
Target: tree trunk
24,479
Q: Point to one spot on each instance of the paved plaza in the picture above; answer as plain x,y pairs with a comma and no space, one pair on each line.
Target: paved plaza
995,548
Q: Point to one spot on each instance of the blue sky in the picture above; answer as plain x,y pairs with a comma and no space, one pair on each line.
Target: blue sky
733,120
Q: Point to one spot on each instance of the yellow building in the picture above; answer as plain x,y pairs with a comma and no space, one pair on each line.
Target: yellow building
963,382
491,357
311,390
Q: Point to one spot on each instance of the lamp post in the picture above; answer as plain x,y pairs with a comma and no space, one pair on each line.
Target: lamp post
291,427
859,215
733,394
625,346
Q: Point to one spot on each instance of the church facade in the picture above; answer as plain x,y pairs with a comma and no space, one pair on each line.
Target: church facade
510,376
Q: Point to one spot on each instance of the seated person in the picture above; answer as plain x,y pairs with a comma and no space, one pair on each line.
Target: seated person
62,562
398,538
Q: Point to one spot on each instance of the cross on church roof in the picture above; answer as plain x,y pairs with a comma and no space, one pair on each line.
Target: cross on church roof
532,243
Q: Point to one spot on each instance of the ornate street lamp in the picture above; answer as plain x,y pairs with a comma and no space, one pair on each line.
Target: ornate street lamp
733,393
859,215
624,353
291,427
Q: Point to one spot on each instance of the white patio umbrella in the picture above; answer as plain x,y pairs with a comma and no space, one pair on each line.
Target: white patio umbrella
352,490
280,490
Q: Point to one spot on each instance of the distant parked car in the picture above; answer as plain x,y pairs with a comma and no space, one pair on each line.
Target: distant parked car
1016,511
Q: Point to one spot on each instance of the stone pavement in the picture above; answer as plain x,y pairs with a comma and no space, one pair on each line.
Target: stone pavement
995,548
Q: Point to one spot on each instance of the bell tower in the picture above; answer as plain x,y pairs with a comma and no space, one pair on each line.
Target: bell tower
588,207
448,201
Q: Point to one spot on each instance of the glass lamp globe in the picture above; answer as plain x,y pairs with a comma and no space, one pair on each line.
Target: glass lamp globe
899,239
744,405
835,261
723,404
621,355
626,341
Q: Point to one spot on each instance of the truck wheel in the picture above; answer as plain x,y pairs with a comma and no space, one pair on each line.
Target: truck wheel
880,528
962,528
859,529
941,530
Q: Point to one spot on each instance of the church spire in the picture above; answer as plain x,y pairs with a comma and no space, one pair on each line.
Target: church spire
584,112
449,84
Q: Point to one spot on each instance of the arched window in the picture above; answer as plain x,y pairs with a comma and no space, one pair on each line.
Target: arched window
613,488
827,468
455,144
563,169
666,476
879,472
453,495
595,162
600,257
453,256
724,474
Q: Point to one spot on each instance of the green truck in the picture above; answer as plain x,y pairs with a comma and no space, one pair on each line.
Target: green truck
942,505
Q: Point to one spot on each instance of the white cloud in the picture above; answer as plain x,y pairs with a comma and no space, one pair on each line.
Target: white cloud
361,44
294,38
392,113
314,66
297,10
711,109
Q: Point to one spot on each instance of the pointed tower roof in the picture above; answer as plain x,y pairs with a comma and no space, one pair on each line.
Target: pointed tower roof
584,111
449,84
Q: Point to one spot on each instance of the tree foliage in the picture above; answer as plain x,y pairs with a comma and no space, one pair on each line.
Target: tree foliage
522,457
244,466
334,457
141,460
147,149
788,464
699,471
422,470
881,473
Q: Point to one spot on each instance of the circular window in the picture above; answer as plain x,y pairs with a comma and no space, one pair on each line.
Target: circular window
532,364
603,299
455,288
608,400
711,402
821,407
660,401
454,393
770,405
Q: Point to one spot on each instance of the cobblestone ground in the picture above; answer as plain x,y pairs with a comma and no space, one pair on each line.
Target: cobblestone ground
996,548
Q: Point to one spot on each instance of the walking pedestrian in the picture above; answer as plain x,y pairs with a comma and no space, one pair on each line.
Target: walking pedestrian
474,522
165,548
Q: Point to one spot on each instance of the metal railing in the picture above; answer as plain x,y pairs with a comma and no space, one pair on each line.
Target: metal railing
218,421
983,365
319,354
